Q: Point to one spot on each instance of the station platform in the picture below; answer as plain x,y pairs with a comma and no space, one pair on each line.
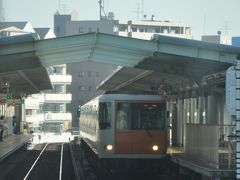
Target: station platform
12,143
178,157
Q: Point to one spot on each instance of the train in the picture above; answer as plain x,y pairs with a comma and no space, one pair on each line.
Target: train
124,127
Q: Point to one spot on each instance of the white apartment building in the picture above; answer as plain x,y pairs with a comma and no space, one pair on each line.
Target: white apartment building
142,29
86,76
45,111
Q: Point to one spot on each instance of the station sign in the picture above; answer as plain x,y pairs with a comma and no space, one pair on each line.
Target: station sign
7,99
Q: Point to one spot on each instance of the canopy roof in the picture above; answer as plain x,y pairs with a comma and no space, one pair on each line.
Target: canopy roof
176,62
22,70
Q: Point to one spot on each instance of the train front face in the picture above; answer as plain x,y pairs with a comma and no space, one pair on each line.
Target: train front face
140,130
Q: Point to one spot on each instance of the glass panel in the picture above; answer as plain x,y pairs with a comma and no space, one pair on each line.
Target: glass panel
141,116
104,115
123,116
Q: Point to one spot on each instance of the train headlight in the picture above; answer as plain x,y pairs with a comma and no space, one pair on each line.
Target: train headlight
108,147
155,147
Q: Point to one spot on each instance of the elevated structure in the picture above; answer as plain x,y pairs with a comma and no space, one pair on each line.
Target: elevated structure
129,52
191,74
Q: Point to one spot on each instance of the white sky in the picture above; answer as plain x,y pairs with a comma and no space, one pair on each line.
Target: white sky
218,13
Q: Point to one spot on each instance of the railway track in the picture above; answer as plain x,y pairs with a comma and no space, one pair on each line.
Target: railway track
46,161
87,170
54,161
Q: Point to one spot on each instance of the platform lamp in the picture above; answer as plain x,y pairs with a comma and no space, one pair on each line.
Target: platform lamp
5,87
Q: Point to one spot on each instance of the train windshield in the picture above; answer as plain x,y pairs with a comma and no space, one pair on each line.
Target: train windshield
132,116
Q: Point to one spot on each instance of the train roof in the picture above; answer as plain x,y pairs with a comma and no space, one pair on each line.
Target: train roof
125,97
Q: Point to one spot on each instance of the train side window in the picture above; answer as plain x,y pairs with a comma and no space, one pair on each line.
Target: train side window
123,116
104,115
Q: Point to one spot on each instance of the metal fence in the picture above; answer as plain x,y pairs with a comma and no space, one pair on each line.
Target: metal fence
212,144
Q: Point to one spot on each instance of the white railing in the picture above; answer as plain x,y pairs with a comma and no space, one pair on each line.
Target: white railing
31,103
35,118
58,97
56,78
58,116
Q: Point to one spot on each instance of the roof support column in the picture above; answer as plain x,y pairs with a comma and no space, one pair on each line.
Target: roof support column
212,109
237,70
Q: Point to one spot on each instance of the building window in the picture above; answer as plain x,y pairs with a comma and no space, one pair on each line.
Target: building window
165,29
175,30
134,29
80,74
157,30
122,28
89,29
58,88
80,30
80,102
57,70
89,73
141,30
81,88
62,108
58,29
28,112
89,88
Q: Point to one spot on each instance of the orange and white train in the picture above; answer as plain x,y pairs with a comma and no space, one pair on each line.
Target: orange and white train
125,126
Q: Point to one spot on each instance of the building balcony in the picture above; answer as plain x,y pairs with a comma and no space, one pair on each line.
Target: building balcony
58,98
49,116
35,119
31,104
61,79
56,117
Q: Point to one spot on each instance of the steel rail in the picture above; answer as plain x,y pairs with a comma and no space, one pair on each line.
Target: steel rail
29,172
61,160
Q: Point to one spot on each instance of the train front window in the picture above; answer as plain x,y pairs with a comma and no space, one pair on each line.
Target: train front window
104,115
140,116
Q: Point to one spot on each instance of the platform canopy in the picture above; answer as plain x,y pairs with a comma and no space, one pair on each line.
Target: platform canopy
22,70
176,65
162,61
